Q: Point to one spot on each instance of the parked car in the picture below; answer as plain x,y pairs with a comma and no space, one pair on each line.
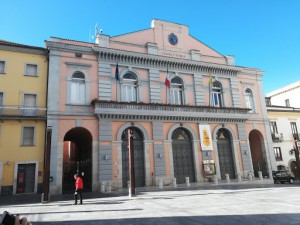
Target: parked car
283,176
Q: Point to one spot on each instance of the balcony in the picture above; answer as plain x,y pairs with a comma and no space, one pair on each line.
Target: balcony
154,111
276,137
22,112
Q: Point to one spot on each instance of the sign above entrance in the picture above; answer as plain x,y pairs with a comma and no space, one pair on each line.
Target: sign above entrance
205,138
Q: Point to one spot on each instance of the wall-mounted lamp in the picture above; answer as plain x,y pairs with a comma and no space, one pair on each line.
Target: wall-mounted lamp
8,163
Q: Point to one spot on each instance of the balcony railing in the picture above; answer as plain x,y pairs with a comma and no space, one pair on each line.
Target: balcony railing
17,111
276,137
128,110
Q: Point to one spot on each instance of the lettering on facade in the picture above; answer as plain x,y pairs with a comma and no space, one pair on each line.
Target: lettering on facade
175,55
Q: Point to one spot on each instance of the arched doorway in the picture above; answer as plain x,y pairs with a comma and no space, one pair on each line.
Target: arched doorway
226,160
183,157
139,165
294,170
258,158
77,158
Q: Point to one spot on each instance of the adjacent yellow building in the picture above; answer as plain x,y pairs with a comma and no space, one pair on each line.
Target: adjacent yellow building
23,91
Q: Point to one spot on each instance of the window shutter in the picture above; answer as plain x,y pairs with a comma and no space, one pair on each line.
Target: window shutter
2,65
31,70
28,135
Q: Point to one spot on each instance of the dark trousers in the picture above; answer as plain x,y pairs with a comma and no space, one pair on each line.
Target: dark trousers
76,194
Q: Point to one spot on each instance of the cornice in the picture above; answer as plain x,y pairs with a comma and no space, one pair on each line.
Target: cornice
163,62
68,47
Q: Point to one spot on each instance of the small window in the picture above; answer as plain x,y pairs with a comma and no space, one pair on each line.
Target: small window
1,102
28,136
278,155
287,103
2,66
31,70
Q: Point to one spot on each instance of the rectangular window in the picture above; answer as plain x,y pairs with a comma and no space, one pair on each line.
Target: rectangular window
1,103
29,104
278,155
2,66
294,130
28,136
287,103
273,126
78,92
31,70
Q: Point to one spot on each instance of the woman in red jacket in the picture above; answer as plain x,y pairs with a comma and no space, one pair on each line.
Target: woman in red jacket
78,188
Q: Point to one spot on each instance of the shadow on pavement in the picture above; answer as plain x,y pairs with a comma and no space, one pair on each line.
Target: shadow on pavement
262,219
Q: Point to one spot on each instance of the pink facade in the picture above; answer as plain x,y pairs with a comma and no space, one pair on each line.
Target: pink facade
88,106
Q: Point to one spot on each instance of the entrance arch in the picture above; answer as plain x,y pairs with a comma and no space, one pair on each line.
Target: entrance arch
257,154
139,156
77,158
183,157
225,153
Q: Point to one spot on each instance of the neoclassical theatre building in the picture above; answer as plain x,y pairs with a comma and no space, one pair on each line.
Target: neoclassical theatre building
193,112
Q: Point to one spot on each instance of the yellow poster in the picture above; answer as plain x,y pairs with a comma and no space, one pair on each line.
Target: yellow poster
205,137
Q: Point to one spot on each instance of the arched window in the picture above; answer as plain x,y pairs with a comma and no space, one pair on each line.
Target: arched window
176,91
216,94
129,88
249,100
78,88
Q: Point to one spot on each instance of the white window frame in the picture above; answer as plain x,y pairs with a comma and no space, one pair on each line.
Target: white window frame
4,67
216,96
26,71
249,100
33,138
129,89
29,109
78,89
176,93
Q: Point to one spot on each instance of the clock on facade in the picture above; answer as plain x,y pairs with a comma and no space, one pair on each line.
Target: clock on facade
173,39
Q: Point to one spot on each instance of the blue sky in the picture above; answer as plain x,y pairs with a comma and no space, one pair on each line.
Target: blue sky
262,34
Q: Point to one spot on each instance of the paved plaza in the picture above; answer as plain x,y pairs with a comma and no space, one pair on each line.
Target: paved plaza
269,204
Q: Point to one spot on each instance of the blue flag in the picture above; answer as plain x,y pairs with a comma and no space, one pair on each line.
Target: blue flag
117,72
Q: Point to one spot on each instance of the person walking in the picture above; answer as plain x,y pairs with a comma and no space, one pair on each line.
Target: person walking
78,189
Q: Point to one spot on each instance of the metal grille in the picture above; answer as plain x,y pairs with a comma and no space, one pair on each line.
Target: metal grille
139,167
225,154
182,156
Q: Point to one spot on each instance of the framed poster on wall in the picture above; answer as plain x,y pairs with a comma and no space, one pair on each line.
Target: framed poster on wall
209,167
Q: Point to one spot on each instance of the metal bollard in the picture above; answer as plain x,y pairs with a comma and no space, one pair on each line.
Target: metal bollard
160,184
174,183
216,179
260,175
187,181
227,178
